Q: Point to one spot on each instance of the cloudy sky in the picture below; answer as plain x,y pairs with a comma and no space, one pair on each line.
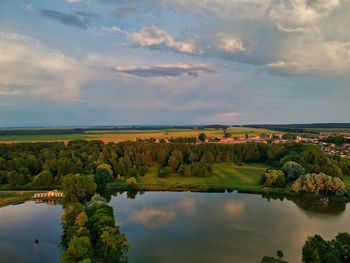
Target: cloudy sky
109,62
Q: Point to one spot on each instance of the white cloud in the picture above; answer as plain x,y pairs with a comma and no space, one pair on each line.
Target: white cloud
151,36
110,31
10,92
315,58
28,68
231,45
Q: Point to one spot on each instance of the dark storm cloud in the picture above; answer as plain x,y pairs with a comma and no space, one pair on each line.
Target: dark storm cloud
165,70
80,19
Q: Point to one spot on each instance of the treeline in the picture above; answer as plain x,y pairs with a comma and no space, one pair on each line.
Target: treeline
16,132
24,163
303,125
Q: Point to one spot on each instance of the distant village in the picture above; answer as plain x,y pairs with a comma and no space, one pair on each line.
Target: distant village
324,141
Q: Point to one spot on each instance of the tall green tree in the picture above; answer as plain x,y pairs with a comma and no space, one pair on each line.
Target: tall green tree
103,175
78,188
44,179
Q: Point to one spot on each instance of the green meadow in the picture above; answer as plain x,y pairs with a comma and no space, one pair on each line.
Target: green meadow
225,176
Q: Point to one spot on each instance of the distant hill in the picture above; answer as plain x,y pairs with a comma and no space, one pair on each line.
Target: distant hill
302,126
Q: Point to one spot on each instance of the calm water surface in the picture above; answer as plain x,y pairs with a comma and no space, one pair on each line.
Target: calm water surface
181,227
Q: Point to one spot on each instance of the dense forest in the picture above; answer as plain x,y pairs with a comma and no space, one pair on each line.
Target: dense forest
45,164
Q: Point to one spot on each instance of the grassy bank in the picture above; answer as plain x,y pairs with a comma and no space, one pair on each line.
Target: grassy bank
7,198
226,177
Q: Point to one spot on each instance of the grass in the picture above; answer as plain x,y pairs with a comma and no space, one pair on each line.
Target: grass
7,198
347,182
122,135
225,176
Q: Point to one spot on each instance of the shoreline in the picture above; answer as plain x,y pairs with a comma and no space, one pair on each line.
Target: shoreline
268,192
12,196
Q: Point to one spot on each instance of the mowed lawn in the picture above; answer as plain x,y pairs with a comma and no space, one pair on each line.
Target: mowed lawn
224,175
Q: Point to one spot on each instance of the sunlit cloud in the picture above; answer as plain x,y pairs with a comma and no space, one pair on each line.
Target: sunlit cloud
43,72
154,37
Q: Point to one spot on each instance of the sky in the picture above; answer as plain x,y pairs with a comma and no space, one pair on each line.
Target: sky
173,62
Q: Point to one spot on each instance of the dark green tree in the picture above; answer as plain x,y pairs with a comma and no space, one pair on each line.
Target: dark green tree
202,137
103,175
78,188
44,179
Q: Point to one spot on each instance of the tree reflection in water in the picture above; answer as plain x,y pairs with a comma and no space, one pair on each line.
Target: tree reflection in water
313,203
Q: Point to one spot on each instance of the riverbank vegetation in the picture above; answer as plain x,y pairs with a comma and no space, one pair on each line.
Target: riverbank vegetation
170,166
7,198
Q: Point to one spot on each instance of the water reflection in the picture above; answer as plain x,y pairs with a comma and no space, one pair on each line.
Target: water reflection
22,224
230,227
313,204
183,227
152,217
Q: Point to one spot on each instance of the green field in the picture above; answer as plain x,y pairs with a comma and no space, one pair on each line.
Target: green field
42,138
124,135
225,175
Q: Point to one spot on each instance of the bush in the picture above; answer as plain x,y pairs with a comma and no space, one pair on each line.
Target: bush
131,182
142,170
319,183
163,172
273,178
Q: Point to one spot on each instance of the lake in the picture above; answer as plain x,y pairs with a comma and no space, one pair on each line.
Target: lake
183,227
